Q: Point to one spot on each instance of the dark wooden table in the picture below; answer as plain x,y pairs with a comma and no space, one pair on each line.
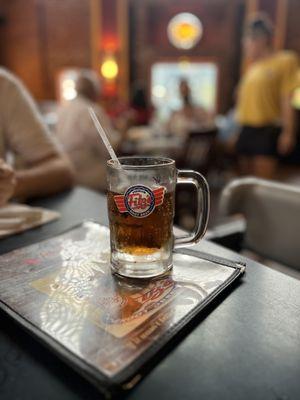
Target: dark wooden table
245,346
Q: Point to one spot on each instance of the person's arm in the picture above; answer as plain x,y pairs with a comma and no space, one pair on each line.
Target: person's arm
49,176
44,169
288,83
7,182
287,137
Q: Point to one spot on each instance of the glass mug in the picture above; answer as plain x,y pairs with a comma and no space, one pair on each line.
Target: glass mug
141,206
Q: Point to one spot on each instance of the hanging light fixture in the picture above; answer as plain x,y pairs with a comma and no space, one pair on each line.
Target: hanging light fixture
184,31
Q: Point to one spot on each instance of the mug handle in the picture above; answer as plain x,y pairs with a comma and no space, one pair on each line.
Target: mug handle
196,179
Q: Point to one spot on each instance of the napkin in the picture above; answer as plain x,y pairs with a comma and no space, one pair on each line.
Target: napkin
16,218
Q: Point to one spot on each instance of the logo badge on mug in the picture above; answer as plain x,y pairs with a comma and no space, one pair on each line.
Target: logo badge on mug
140,200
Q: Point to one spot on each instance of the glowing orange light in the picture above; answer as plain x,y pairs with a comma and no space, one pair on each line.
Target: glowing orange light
109,68
184,30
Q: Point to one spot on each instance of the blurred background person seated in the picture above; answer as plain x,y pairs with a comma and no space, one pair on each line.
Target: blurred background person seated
264,107
78,135
138,112
141,111
37,167
189,118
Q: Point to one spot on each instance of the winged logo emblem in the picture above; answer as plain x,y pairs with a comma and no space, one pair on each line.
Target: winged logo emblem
139,200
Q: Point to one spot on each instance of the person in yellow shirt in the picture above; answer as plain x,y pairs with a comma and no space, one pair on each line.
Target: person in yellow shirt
264,108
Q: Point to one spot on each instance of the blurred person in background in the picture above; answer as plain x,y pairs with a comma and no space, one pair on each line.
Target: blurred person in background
264,107
139,107
31,164
137,113
78,135
189,118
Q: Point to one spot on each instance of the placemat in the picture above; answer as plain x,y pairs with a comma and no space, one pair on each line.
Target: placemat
17,218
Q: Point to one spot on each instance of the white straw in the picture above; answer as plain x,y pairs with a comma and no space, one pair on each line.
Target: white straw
104,137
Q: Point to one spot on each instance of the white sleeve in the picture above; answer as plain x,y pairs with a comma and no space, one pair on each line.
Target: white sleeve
25,134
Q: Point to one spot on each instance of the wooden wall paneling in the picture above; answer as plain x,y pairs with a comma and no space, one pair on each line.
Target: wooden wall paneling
20,43
285,15
251,6
95,32
138,41
123,31
43,50
280,23
109,36
40,37
2,23
67,25
292,37
231,72
270,7
277,10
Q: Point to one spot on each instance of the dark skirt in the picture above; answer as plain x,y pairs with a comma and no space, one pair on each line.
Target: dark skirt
258,141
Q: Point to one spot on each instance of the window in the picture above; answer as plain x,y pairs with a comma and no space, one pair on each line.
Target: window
165,78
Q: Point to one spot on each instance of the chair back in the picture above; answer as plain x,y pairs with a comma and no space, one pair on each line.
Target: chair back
198,150
272,213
